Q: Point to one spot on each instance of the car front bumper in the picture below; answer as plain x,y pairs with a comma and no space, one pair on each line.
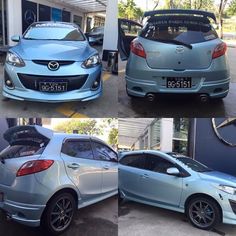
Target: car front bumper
85,93
142,80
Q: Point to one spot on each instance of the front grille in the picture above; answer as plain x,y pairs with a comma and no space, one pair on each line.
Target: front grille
45,62
32,81
233,205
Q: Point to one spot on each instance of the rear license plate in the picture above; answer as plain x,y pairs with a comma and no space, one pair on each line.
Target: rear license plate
53,87
179,82
1,197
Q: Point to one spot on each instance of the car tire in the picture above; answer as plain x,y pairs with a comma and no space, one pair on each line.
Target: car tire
203,213
63,207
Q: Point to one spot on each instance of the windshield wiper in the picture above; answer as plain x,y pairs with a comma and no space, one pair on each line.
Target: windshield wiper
174,42
2,160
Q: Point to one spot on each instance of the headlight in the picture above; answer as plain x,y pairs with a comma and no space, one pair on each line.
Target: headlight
92,61
227,189
14,60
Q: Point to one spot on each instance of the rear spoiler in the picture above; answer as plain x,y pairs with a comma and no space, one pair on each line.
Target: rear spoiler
28,133
180,11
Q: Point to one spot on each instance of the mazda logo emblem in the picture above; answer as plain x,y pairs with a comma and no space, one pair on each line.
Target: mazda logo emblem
223,130
179,49
30,17
53,65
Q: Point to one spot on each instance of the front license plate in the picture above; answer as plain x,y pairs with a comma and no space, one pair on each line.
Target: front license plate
53,87
1,197
179,82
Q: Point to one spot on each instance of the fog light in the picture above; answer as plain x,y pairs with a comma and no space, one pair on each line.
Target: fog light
8,81
96,83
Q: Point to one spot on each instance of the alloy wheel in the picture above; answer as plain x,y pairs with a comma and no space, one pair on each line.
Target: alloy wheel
202,213
61,214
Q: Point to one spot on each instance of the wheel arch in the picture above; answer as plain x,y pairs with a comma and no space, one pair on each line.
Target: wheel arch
195,195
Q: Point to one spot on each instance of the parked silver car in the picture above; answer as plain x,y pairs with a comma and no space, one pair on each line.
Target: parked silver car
45,176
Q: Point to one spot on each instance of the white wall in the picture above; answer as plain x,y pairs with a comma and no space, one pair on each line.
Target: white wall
111,26
167,134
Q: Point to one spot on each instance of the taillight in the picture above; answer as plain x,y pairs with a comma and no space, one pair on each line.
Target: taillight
32,167
137,49
220,50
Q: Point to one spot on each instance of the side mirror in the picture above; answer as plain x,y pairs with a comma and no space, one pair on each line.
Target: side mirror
15,38
173,171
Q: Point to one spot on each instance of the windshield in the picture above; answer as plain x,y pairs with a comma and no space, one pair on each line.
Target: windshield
53,33
194,165
183,29
16,151
97,30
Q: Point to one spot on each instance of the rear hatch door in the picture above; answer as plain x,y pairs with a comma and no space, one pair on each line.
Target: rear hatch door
26,143
179,42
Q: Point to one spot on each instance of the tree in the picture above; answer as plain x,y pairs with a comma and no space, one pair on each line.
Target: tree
129,10
88,127
113,137
231,11
221,10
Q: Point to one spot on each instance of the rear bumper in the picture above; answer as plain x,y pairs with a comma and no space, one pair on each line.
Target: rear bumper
141,79
140,88
26,214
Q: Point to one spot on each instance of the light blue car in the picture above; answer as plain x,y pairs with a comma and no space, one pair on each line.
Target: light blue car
179,183
52,62
176,52
46,176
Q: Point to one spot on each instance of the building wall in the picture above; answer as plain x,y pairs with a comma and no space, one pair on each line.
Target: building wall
210,150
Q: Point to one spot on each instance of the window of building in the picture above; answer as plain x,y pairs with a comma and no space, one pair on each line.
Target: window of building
156,134
180,135
99,21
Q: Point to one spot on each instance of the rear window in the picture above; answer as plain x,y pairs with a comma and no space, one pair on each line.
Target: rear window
184,29
16,151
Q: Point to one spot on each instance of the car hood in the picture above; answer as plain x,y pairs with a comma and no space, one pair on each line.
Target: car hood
219,177
53,50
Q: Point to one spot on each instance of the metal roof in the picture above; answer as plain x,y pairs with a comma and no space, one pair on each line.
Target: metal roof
131,129
86,6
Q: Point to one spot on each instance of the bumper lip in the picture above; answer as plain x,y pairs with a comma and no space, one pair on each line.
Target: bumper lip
150,86
11,209
93,95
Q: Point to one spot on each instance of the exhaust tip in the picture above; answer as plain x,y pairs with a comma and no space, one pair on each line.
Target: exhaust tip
151,97
204,98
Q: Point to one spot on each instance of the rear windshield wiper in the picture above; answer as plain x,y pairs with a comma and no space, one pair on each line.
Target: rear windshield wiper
174,42
2,159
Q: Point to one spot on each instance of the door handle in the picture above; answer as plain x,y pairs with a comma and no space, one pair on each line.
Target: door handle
106,167
74,166
145,176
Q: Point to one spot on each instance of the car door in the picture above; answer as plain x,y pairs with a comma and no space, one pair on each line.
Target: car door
128,30
130,168
156,185
81,167
108,158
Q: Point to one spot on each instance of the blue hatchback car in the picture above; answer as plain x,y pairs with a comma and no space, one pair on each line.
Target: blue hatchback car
52,62
176,182
176,52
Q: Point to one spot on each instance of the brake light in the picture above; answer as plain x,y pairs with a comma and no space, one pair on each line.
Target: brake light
32,167
220,50
137,49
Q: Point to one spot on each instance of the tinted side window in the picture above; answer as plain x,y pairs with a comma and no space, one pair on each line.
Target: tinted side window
137,161
104,153
158,164
78,148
